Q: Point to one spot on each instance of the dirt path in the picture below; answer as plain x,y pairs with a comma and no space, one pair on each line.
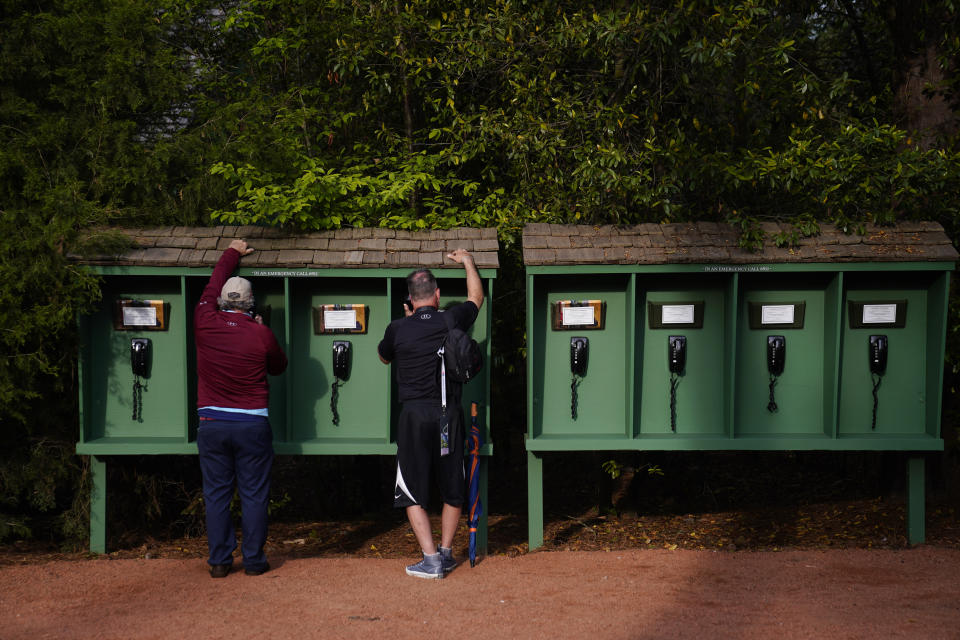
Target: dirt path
616,594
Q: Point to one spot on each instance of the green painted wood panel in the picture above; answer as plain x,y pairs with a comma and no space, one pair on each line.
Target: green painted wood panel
269,295
363,402
299,399
938,300
700,393
453,290
824,397
604,393
902,395
674,442
801,392
108,377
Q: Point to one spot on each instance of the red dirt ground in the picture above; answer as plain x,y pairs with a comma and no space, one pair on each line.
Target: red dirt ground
616,594
836,570
768,551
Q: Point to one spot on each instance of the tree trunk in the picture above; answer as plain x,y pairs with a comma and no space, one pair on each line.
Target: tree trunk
916,30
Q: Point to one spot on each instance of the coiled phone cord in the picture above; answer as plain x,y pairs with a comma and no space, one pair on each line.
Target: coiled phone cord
876,400
573,396
137,399
772,405
674,381
334,396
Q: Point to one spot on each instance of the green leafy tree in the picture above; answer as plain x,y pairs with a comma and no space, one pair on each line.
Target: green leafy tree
439,114
91,133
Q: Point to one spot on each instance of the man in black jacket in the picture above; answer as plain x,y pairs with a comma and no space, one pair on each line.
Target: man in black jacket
430,432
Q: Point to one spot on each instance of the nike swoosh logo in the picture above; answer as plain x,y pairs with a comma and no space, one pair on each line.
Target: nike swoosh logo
398,496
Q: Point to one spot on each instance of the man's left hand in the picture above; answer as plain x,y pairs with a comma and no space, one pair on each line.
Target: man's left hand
241,247
459,255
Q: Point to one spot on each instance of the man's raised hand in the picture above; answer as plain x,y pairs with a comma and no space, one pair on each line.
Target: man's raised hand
459,255
241,246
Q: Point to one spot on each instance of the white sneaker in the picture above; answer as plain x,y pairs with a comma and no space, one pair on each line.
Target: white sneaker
430,567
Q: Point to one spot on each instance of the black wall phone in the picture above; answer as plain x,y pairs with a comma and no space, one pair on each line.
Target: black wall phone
776,354
878,355
264,313
140,365
140,357
677,353
776,360
677,362
579,354
341,372
341,359
579,351
878,366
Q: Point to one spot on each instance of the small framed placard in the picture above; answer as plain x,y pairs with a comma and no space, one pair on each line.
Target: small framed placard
140,315
891,314
579,314
776,315
675,315
340,318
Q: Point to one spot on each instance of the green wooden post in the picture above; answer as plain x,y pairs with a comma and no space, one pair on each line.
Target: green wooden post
535,499
916,499
98,505
482,526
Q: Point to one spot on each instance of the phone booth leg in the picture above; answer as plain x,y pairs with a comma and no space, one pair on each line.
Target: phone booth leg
98,504
482,526
534,500
916,500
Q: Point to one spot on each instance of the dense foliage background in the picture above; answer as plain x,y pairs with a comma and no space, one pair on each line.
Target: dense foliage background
321,114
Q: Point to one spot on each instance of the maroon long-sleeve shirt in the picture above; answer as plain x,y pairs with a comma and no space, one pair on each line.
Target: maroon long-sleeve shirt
234,352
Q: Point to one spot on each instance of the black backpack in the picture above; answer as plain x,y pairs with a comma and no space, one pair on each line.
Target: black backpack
461,353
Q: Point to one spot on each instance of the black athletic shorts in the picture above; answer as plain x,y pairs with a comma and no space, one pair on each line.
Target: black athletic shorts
419,459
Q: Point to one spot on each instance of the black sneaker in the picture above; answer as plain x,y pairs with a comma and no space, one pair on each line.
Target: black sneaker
220,570
258,572
430,567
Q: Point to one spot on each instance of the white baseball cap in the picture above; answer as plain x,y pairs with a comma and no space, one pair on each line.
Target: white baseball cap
236,289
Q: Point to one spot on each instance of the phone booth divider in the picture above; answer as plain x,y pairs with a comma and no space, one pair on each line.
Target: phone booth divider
327,296
836,344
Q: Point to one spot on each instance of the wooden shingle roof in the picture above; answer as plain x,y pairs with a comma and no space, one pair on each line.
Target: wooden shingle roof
341,248
711,242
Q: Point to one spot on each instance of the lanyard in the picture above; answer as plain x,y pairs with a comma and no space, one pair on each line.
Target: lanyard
443,381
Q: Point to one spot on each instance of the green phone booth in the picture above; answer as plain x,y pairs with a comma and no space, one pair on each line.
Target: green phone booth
327,296
670,337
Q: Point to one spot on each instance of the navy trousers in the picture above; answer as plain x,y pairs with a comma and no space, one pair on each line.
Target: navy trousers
236,453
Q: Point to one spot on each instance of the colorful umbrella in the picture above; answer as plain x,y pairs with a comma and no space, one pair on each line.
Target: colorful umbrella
475,442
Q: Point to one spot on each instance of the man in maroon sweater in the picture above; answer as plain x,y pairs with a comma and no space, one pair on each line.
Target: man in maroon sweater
235,352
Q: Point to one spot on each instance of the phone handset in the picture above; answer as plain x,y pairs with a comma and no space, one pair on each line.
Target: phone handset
878,355
264,313
579,353
140,365
677,361
678,354
878,367
776,358
341,373
341,359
